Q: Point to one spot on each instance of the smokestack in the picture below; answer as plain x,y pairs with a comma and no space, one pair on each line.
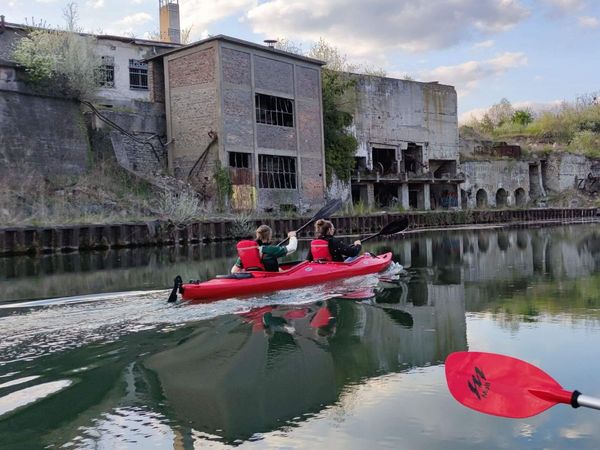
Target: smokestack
2,24
170,30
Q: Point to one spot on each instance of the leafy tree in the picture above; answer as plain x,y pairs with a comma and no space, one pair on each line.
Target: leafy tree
522,117
501,112
63,60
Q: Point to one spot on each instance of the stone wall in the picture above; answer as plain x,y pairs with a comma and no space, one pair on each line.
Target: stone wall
43,134
489,177
562,169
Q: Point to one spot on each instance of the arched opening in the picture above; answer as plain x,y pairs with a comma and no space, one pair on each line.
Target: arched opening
503,241
483,243
481,198
501,196
520,197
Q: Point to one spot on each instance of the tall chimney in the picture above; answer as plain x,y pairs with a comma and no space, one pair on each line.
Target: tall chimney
170,30
2,24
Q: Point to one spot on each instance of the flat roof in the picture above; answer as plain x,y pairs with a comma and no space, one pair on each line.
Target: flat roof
222,37
127,39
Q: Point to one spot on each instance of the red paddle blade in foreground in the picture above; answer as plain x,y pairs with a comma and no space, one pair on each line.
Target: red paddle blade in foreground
501,385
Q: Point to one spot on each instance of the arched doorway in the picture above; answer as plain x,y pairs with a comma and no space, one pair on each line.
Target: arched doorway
481,198
520,199
501,197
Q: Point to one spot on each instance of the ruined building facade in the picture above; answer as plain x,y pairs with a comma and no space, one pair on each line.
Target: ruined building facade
247,109
408,152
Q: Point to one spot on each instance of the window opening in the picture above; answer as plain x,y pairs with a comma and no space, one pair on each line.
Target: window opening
138,74
273,110
239,160
277,172
106,72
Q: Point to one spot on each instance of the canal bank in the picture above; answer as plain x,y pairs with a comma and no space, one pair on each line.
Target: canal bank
35,240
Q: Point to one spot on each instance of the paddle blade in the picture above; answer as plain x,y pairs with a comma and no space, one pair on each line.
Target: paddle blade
327,210
395,227
501,385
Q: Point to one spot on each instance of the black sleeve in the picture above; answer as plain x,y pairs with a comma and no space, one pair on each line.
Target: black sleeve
309,256
338,247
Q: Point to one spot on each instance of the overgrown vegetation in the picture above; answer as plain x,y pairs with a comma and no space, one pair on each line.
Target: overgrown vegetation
571,126
61,59
224,186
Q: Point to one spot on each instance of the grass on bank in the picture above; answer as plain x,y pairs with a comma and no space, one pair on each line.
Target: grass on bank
574,127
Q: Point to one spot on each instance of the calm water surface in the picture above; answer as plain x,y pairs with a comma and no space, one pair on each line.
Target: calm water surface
354,364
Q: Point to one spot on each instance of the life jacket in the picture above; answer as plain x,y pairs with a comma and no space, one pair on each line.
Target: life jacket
319,249
249,254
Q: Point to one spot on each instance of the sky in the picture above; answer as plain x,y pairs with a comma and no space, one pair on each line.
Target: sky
535,53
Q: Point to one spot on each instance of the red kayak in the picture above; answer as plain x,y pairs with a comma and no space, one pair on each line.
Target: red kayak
298,275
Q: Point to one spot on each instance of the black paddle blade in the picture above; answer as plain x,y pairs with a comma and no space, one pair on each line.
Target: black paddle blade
327,210
395,227
177,282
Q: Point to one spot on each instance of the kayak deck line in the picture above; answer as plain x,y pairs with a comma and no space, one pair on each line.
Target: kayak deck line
301,274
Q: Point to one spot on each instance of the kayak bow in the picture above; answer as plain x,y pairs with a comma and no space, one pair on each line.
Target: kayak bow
302,274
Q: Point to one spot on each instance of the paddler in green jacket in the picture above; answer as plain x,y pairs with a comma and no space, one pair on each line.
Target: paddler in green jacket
261,254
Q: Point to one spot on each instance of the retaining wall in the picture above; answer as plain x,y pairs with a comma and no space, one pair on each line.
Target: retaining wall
32,240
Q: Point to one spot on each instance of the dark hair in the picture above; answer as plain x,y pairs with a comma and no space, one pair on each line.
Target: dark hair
322,227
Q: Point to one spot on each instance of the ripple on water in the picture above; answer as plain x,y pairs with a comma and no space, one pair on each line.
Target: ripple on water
30,332
26,396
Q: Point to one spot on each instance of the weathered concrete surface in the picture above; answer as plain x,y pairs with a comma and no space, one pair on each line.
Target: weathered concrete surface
562,169
492,176
396,112
44,134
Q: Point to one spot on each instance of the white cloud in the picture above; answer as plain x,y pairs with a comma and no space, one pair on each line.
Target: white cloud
134,20
360,29
485,44
95,3
466,76
589,22
200,14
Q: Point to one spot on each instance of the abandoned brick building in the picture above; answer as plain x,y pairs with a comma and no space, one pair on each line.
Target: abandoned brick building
408,151
249,109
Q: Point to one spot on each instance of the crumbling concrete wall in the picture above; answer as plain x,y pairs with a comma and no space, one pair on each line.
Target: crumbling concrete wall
561,170
394,112
491,176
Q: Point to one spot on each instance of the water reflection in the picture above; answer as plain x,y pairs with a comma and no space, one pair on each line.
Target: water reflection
299,368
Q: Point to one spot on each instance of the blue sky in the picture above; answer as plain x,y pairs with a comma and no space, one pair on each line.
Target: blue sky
533,52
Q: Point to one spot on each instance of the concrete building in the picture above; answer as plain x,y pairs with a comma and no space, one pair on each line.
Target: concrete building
408,151
251,109
123,70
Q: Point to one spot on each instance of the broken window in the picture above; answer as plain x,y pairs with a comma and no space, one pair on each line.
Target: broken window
273,110
384,161
138,74
276,172
106,72
239,160
240,168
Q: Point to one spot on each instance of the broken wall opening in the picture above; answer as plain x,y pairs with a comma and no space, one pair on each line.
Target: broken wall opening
535,188
442,168
384,160
412,158
416,199
360,194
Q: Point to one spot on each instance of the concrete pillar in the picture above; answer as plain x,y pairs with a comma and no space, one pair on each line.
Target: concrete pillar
426,194
371,195
429,251
404,196
458,197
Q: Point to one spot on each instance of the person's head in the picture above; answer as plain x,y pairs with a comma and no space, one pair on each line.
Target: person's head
324,227
264,233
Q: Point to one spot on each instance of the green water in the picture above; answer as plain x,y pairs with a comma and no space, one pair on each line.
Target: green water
308,368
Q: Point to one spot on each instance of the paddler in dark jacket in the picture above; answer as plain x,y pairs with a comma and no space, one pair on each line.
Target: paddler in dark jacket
261,254
326,247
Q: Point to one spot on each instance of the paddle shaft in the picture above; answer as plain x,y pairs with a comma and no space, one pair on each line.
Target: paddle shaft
588,402
325,211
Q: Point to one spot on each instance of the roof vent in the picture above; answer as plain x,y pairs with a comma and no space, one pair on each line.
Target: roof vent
270,42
